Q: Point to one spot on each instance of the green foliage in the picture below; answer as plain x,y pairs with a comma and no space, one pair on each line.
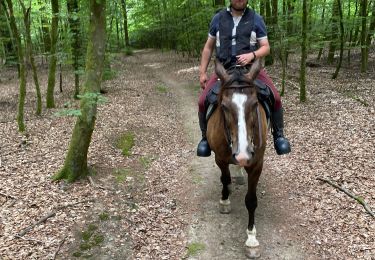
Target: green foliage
355,97
145,161
194,249
68,112
90,97
125,143
104,216
90,238
128,51
109,74
161,89
86,235
122,174
93,98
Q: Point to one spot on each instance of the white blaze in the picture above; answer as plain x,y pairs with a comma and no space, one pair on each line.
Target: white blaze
239,100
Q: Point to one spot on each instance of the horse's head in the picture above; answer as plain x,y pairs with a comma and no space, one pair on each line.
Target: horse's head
238,102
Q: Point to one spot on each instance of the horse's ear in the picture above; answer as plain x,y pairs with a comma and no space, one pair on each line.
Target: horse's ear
220,71
255,69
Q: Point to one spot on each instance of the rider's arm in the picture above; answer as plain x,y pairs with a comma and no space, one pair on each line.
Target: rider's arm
206,55
261,37
264,48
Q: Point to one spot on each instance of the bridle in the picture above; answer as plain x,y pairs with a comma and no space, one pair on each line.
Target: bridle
227,130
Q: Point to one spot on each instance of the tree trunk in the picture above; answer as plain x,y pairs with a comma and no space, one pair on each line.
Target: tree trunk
351,30
275,8
218,3
269,21
284,64
21,63
30,55
45,27
323,25
262,8
118,35
302,93
371,30
364,47
290,27
335,28
74,24
9,50
53,58
75,165
334,76
125,14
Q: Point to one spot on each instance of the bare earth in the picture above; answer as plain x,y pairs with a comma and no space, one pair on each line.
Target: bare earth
162,200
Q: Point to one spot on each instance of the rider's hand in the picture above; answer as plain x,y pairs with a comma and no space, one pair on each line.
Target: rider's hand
203,78
246,58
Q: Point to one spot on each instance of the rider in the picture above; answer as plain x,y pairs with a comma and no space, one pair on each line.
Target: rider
240,36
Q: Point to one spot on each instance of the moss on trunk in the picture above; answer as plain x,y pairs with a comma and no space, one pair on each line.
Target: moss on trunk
53,58
75,165
21,63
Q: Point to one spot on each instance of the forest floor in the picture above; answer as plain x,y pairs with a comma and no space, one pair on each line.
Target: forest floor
161,201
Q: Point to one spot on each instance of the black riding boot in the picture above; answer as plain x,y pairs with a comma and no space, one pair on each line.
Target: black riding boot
282,145
203,149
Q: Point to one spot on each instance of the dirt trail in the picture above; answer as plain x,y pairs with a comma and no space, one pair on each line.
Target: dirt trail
171,196
224,236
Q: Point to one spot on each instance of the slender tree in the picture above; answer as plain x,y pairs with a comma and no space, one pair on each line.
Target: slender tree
334,30
342,33
30,55
371,31
8,44
21,64
74,24
45,27
75,165
126,30
323,26
53,57
302,93
364,47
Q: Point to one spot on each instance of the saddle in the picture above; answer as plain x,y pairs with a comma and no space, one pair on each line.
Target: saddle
265,98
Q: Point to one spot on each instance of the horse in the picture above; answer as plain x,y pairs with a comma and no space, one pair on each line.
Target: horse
237,133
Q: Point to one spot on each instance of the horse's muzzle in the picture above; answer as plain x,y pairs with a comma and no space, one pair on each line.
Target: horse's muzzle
243,159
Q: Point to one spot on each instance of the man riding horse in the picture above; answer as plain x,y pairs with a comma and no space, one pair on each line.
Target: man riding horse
239,36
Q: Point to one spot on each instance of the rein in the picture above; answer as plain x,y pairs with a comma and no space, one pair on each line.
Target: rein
259,127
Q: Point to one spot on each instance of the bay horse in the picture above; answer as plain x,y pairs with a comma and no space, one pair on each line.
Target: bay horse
237,132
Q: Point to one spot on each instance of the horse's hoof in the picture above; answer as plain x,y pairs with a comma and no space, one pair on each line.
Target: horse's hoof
230,188
252,252
225,207
240,180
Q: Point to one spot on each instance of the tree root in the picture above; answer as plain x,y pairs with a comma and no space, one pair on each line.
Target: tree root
358,199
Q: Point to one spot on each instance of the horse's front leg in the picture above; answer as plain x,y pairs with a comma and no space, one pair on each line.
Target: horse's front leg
225,178
251,201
